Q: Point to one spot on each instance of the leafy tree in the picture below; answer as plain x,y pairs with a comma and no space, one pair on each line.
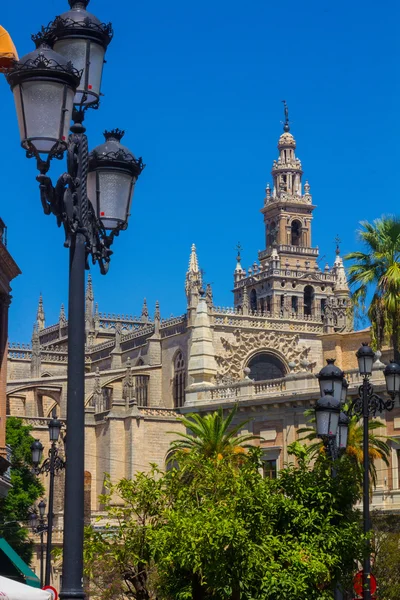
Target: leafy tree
211,528
212,435
377,270
26,489
118,559
386,564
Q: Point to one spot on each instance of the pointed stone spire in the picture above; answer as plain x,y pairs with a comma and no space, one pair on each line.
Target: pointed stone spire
341,283
209,296
145,312
40,314
62,318
193,277
89,306
157,319
36,358
202,366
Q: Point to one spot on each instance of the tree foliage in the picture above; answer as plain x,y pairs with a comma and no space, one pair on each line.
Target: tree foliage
377,270
211,529
386,564
26,489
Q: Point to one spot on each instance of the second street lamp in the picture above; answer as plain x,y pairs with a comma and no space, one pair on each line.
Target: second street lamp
39,526
365,405
52,465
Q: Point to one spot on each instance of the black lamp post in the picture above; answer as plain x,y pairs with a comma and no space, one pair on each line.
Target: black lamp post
52,465
365,405
57,82
39,526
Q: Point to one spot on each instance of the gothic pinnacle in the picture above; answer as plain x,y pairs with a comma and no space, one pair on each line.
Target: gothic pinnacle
40,314
145,311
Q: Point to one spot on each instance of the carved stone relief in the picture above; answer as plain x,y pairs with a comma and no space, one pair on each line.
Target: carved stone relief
231,361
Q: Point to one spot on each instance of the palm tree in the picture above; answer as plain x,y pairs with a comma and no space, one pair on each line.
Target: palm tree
211,436
377,270
378,448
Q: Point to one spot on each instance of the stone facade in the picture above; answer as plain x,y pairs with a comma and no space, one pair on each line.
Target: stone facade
288,315
8,271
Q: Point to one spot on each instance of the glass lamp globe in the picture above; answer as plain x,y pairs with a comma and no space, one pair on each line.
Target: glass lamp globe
113,172
82,39
37,452
365,356
331,379
327,413
44,84
54,429
342,431
392,376
42,508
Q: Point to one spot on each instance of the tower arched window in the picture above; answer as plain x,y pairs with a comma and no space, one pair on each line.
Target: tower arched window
295,304
308,300
179,380
266,366
253,300
295,233
271,233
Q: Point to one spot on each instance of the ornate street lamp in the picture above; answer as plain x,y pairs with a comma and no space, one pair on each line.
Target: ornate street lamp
37,452
327,412
392,376
52,465
365,405
39,525
113,172
342,432
365,356
331,378
46,87
82,39
43,83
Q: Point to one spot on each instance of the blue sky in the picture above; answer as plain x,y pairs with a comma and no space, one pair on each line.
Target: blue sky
198,87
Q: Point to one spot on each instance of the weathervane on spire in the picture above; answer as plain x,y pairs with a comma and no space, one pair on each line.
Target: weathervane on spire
239,248
338,242
286,126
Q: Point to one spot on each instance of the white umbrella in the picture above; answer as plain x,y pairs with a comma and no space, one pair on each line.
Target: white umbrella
13,590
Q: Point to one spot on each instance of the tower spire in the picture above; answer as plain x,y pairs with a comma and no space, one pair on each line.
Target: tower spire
286,124
89,306
145,312
40,314
193,276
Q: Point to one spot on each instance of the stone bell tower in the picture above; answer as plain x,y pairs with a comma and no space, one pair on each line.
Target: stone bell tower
288,207
287,282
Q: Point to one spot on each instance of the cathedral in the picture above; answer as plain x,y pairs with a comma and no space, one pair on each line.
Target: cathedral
287,316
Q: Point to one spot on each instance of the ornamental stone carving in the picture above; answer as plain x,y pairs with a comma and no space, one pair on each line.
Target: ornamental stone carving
231,361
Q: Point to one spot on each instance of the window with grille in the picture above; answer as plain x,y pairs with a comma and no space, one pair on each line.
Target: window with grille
141,389
269,469
179,380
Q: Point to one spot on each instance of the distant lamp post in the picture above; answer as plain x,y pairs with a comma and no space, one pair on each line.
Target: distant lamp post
52,465
365,405
91,199
39,525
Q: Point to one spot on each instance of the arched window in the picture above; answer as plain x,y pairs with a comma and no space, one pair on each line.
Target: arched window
179,380
308,300
295,233
266,366
294,304
271,233
253,300
262,306
268,299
